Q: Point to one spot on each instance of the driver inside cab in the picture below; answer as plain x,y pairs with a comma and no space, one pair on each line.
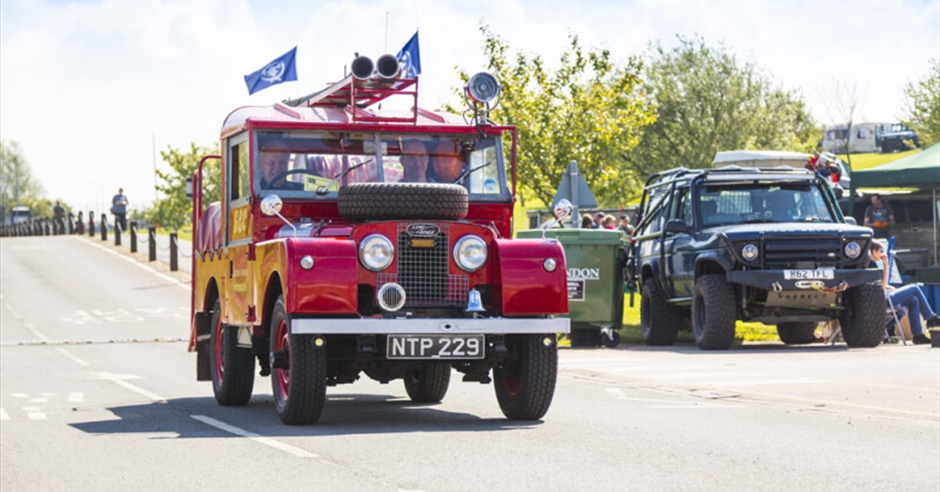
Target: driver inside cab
273,168
447,164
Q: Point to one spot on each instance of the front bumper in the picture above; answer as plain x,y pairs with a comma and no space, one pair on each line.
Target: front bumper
417,326
774,279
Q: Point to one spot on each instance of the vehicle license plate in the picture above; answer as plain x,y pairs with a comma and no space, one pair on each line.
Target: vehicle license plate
435,346
824,273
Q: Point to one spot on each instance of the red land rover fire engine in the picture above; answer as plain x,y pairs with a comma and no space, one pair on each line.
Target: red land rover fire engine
351,239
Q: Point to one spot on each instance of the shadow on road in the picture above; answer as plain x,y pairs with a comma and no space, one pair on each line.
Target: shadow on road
348,414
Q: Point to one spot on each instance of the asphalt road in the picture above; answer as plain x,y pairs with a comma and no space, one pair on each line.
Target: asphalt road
97,392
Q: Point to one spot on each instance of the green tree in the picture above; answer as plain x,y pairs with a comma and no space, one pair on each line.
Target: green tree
17,184
589,110
175,209
707,101
923,105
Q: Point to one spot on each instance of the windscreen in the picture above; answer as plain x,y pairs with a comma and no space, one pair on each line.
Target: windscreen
316,164
726,205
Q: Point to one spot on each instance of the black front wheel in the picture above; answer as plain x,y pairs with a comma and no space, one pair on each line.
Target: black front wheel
713,312
525,381
298,364
865,315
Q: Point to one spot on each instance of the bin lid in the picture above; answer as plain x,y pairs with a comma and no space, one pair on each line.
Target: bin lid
576,236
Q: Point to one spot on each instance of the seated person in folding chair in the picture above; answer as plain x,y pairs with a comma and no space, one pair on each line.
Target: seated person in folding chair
908,296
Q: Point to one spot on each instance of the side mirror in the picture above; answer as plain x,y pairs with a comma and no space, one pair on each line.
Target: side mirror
851,220
677,226
271,205
563,210
189,187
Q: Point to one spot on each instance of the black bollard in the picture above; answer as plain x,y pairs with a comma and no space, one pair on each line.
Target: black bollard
91,223
174,251
71,228
117,232
80,224
152,243
133,236
104,227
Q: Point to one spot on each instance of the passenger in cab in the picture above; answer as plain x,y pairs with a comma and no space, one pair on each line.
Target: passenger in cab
414,162
447,164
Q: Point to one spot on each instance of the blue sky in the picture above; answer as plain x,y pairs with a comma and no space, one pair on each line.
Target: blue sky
86,87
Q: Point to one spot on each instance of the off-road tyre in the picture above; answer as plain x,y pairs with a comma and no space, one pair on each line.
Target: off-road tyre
427,383
231,368
525,381
659,321
797,333
402,201
300,389
713,312
865,315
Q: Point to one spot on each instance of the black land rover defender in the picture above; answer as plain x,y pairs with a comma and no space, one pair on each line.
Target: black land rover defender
752,244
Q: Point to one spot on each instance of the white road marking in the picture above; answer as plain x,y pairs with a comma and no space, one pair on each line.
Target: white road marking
76,397
34,413
29,326
136,263
19,395
4,415
39,400
231,429
120,381
72,356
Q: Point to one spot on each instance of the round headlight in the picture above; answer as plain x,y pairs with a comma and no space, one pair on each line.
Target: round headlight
549,264
749,252
852,250
376,252
470,253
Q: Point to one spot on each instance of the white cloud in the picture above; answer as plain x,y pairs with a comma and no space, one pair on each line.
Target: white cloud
85,86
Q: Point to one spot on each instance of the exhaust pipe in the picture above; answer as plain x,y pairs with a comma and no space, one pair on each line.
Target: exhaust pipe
388,67
362,67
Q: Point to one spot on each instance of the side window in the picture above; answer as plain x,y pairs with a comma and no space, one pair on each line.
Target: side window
682,209
239,182
654,208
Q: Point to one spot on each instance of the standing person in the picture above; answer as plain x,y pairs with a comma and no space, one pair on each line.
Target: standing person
609,223
119,209
58,217
598,220
879,216
910,296
625,226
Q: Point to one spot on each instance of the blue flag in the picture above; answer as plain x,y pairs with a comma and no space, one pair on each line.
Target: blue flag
280,70
410,56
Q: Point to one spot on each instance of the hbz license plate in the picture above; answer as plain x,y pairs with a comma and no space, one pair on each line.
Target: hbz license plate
435,347
825,273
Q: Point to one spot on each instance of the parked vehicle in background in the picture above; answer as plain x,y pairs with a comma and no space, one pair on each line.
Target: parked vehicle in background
20,214
898,137
355,240
753,244
864,138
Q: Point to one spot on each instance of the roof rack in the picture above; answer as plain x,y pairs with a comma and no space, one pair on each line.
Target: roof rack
355,95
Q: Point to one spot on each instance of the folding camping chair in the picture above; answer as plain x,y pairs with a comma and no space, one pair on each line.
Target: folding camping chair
894,277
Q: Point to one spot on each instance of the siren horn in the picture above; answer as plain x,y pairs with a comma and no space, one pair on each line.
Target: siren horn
362,67
388,67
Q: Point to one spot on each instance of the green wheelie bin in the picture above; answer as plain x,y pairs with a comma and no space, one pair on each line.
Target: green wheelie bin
594,259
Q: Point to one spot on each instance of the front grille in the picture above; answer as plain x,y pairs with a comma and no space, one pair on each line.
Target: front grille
802,253
422,272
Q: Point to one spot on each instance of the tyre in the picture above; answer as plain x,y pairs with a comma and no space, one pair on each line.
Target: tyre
525,381
713,313
402,201
865,315
298,371
428,382
232,368
797,333
659,322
